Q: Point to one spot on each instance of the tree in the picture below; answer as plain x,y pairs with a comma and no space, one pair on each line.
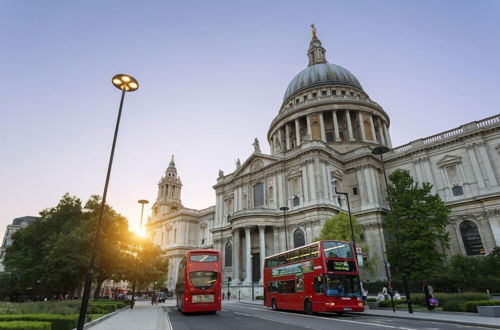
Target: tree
31,256
420,220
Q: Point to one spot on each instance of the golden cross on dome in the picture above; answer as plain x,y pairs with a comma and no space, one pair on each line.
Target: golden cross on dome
313,30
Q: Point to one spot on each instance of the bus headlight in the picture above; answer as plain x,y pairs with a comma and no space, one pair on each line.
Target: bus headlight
360,304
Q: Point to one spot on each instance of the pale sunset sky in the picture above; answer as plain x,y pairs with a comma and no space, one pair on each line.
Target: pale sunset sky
212,76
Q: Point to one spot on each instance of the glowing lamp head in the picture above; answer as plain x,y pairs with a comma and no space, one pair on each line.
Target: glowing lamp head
125,82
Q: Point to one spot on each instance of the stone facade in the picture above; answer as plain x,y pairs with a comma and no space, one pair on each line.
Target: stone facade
320,140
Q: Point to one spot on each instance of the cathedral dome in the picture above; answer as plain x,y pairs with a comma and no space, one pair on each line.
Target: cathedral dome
321,74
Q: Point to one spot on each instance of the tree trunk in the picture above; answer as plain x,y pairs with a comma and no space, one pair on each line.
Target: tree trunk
98,287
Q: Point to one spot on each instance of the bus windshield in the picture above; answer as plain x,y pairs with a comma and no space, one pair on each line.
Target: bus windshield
203,280
203,258
343,286
337,250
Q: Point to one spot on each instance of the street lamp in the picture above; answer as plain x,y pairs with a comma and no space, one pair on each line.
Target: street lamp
125,83
284,209
380,151
142,202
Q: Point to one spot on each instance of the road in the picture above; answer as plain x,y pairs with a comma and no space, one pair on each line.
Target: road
241,316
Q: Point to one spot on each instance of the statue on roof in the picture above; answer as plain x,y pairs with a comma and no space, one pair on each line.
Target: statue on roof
238,163
221,173
256,146
313,30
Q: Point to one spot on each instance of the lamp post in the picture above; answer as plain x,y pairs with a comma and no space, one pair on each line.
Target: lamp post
134,286
380,151
125,83
284,209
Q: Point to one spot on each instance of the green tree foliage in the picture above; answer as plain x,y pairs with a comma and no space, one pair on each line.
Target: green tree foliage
420,218
52,255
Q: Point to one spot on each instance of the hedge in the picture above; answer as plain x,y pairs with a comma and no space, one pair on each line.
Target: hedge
471,306
22,325
59,322
443,298
102,307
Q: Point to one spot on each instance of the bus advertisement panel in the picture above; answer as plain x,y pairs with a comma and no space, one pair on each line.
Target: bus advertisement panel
198,287
319,277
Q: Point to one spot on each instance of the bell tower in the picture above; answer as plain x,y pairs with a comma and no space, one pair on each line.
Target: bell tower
169,191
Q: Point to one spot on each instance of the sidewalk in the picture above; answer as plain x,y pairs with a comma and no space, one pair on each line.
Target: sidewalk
456,318
144,316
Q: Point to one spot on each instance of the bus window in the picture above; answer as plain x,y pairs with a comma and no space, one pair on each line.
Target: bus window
314,251
281,259
293,256
203,258
337,250
273,287
287,286
343,286
304,253
203,280
273,261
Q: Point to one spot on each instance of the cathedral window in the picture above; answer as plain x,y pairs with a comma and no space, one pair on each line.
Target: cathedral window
354,190
334,92
343,92
457,191
323,93
471,238
298,238
258,195
314,94
329,136
270,193
228,251
296,201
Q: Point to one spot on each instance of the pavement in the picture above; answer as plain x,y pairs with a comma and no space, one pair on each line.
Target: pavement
144,316
251,315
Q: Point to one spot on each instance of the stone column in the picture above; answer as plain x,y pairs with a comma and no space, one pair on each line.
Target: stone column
387,136
287,136
262,248
280,141
475,166
276,240
372,127
361,126
381,132
297,132
492,180
369,187
236,256
309,129
322,127
336,126
309,232
349,125
248,252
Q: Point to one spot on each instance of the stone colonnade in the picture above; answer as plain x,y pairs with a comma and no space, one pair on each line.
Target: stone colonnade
332,126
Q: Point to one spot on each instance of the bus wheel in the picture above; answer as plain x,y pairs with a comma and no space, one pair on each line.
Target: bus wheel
274,306
308,308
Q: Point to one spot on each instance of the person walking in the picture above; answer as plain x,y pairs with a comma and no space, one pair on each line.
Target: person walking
429,294
153,298
364,295
385,293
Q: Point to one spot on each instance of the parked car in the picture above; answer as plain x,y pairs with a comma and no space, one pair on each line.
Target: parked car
160,296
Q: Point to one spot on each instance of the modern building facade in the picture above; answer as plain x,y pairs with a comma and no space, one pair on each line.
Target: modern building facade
322,138
17,223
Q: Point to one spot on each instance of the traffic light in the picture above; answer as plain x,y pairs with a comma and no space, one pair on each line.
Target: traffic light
229,280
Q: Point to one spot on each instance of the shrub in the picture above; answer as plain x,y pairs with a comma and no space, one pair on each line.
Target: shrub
259,298
97,307
59,322
453,305
371,300
471,306
22,325
41,307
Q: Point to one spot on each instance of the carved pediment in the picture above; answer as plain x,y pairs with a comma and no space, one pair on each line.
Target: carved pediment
449,160
294,173
253,164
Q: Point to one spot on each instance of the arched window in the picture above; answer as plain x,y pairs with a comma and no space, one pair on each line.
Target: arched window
457,191
471,238
296,201
298,238
228,254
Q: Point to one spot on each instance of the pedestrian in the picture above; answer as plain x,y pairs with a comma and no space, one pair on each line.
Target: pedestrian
364,295
384,293
223,295
228,295
380,297
397,296
153,299
429,296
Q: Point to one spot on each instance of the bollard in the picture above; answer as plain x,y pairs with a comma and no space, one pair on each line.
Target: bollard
238,295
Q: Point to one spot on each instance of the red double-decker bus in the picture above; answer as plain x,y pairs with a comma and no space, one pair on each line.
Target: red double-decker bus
319,277
198,287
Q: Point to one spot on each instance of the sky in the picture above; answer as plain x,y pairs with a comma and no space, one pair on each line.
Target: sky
212,76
